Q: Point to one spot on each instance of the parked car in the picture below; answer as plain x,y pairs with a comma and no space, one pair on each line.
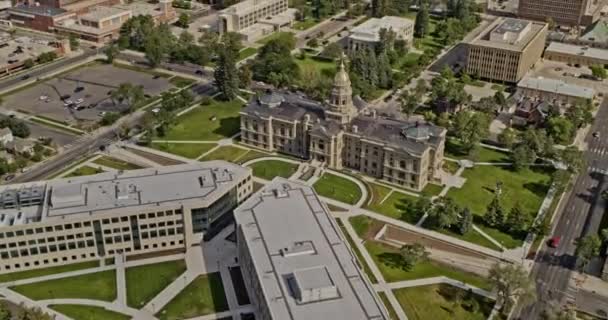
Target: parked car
554,242
79,101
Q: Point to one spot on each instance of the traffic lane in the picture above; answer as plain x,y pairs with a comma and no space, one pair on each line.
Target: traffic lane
60,138
591,302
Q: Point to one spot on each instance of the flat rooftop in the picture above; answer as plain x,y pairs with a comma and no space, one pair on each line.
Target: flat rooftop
56,199
556,86
39,10
305,267
581,51
370,29
523,31
247,6
102,12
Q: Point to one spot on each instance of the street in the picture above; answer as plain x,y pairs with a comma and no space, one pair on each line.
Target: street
580,215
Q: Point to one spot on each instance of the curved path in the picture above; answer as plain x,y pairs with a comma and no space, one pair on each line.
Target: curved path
359,183
260,159
122,309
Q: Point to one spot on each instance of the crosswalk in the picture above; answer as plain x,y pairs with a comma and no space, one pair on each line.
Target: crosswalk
598,170
599,151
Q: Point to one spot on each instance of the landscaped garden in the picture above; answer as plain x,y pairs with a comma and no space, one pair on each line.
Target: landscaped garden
389,261
212,122
227,153
84,171
81,312
146,281
323,66
398,206
443,301
95,286
116,163
391,311
204,295
454,150
188,150
268,169
338,188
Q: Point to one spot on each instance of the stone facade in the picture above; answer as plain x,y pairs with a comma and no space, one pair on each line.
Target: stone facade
344,133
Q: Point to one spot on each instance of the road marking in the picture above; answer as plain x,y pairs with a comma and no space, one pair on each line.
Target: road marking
568,222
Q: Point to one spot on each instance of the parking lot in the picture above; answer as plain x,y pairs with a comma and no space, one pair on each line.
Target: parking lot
89,88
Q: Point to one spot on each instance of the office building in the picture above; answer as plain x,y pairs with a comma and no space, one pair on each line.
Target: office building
367,34
345,133
256,18
576,55
571,13
295,260
129,213
554,91
506,49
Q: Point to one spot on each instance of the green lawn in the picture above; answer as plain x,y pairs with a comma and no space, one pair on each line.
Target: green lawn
355,249
306,24
527,188
473,237
408,60
453,149
181,82
338,188
14,276
391,311
377,193
199,124
269,169
188,150
96,286
432,189
252,154
450,166
84,171
324,67
388,261
246,53
80,312
205,295
116,163
273,35
146,281
360,224
396,206
438,302
228,153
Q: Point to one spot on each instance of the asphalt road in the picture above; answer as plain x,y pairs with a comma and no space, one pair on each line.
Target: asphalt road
37,72
581,215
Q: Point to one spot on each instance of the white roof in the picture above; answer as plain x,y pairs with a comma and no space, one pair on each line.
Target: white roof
583,51
370,29
556,86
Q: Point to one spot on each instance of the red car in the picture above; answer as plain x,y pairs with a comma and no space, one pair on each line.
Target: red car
554,242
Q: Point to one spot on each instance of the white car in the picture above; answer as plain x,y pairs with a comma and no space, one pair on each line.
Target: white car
67,103
103,113
79,101
43,98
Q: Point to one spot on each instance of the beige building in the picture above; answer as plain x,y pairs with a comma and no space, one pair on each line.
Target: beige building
575,54
296,263
70,220
506,49
556,92
256,18
367,34
563,12
345,133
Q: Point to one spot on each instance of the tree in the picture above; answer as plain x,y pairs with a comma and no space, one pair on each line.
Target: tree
561,129
572,157
154,50
587,248
470,127
444,213
74,42
111,52
499,98
495,215
245,76
18,127
512,284
421,26
598,71
275,64
409,104
517,220
129,93
226,74
109,118
538,141
466,221
507,137
28,63
184,20
5,313
333,51
411,254
522,156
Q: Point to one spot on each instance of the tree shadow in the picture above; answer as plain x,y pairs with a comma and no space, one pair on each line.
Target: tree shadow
393,260
228,126
539,189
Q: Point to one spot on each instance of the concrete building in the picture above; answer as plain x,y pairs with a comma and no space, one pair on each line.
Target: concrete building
575,54
127,213
563,12
367,34
506,49
556,92
42,18
101,24
344,133
256,18
296,263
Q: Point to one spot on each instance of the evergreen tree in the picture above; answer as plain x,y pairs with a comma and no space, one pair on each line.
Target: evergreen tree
226,74
466,221
421,26
462,9
517,220
495,215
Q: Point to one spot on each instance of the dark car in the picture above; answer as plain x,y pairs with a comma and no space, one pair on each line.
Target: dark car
199,72
25,77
